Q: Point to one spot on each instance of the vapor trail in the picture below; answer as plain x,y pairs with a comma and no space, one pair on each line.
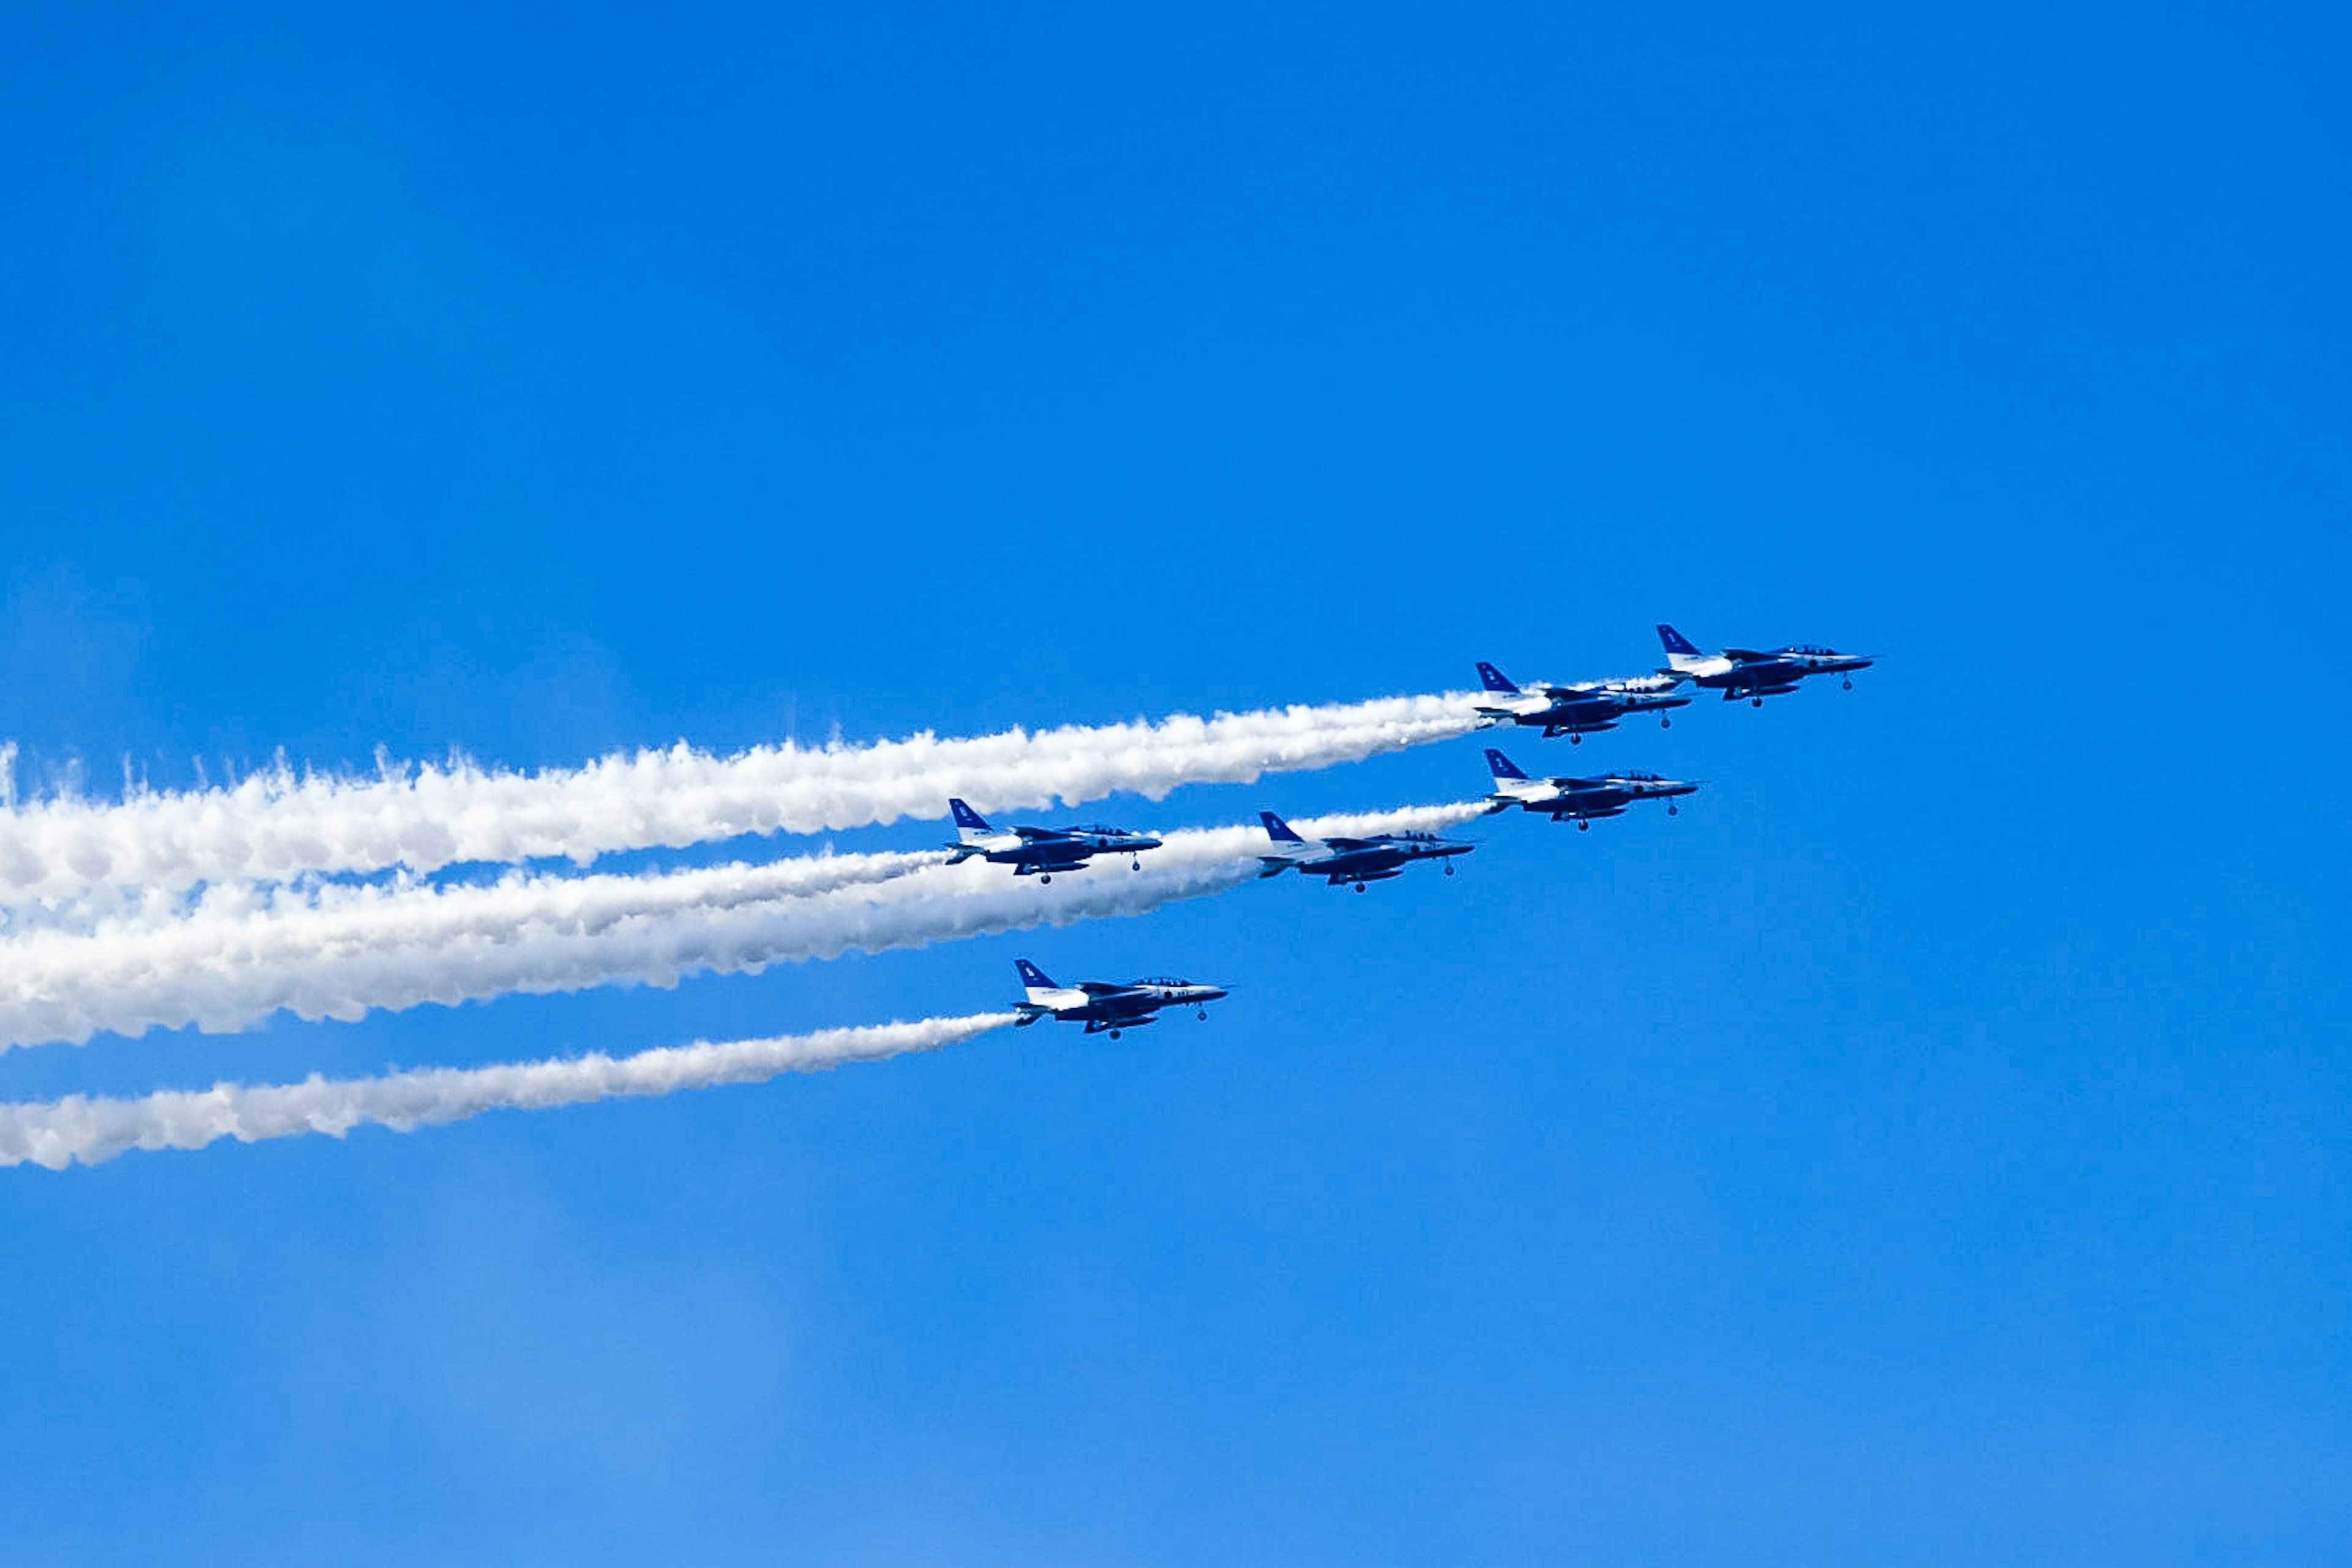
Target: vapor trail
56,1133
341,952
275,825
242,953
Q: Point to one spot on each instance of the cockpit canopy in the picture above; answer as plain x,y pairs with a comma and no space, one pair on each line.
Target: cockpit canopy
1639,777
1814,649
1163,980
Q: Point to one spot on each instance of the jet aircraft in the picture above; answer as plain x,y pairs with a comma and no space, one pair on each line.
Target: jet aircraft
1355,861
1584,709
1104,1007
1041,851
1744,672
1582,799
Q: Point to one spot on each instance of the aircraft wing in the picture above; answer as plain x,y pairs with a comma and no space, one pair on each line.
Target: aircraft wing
1044,835
1352,843
1099,989
1126,1002
1747,654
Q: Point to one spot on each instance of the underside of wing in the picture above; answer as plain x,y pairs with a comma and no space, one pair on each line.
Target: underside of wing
1034,865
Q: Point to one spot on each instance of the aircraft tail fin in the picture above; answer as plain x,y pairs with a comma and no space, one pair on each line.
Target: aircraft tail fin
1680,650
1278,830
1032,977
1501,767
1493,679
968,823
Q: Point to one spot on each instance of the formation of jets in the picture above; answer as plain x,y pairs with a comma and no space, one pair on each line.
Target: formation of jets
1578,710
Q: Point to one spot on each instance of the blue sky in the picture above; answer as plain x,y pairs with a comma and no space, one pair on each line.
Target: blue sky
1930,1147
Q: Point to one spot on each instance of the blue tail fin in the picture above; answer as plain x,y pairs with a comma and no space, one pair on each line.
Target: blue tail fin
1277,829
967,817
1033,977
1501,767
1493,679
1676,643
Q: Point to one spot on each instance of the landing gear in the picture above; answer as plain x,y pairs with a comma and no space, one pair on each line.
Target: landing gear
1043,880
1136,864
1114,1034
1203,1015
1449,868
1849,683
1673,810
1666,723
1575,739
1583,826
1360,887
1756,702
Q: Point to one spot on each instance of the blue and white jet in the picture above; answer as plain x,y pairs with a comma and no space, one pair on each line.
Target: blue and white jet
1582,799
1105,1008
1584,709
1745,672
1354,860
1040,852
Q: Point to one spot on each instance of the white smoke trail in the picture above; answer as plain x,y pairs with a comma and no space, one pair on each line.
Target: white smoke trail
333,951
56,1133
228,966
274,826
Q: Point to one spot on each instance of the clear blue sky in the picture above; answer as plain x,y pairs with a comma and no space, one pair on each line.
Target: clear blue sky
1931,1147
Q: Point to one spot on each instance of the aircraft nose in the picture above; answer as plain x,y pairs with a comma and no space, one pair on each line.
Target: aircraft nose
1212,993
